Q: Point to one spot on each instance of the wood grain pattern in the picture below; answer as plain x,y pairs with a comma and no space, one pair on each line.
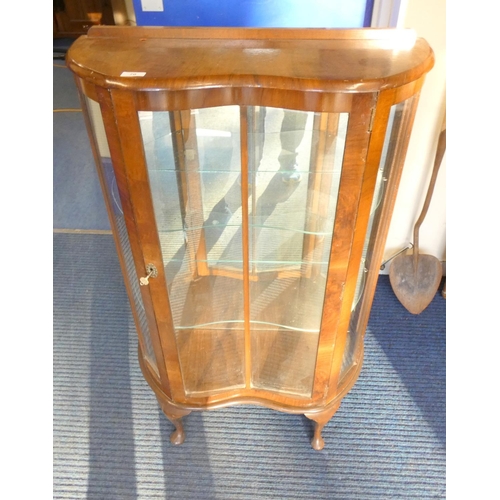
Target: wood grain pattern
305,60
344,254
315,100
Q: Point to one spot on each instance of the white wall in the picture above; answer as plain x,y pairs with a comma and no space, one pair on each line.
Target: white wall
428,19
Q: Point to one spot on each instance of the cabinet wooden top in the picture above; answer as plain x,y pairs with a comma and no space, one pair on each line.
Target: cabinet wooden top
153,58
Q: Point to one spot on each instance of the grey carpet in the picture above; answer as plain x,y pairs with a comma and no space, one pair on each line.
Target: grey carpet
112,442
64,90
77,198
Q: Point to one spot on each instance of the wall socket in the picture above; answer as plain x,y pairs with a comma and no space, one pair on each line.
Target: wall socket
152,5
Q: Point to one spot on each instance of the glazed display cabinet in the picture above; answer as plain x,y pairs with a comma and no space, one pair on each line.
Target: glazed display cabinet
250,176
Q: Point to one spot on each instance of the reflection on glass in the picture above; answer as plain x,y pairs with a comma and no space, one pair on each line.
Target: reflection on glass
295,161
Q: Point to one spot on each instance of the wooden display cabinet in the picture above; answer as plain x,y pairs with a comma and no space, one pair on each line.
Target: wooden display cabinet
250,176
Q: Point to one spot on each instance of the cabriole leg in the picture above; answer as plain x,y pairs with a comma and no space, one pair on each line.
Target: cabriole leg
175,415
320,419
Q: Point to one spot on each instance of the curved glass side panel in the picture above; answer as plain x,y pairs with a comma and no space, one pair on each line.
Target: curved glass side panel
119,222
399,117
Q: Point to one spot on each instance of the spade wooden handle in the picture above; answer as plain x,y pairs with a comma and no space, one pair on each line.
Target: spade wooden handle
441,148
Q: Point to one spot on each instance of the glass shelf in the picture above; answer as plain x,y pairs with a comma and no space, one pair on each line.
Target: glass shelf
228,226
303,169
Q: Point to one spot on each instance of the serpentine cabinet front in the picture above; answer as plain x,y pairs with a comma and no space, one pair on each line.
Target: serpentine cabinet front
249,177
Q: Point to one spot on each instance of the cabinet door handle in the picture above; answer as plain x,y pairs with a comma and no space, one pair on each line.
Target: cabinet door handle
152,273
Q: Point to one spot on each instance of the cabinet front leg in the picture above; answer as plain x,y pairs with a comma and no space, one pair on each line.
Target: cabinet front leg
320,419
175,416
178,436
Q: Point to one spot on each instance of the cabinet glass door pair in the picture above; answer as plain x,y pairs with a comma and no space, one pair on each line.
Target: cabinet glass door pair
249,209
245,247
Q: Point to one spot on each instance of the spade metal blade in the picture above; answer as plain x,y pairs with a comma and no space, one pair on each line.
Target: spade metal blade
415,289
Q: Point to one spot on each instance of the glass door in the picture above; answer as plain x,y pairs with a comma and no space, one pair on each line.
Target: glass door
245,201
295,163
193,161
